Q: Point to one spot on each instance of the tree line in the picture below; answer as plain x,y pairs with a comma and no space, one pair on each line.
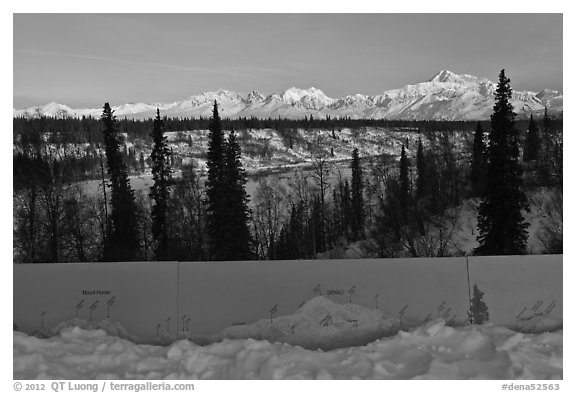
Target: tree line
87,129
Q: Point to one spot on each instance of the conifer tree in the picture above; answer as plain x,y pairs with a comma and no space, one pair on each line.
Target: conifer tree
478,313
501,226
404,184
547,130
215,188
357,223
122,240
421,168
346,212
478,164
237,235
550,165
160,191
532,144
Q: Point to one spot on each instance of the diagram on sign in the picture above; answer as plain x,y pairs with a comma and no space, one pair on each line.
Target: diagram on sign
317,290
351,292
77,307
42,326
529,317
109,304
326,321
93,307
273,311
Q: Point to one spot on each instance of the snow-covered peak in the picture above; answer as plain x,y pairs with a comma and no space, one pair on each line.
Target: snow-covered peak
55,106
311,98
353,100
220,93
548,93
52,109
255,97
446,76
210,96
295,94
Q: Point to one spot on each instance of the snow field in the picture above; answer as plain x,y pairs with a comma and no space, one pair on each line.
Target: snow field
431,351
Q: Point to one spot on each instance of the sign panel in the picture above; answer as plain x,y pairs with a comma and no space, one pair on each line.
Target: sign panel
139,296
220,294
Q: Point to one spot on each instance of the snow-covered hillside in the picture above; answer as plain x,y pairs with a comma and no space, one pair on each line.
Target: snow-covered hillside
267,149
430,351
447,96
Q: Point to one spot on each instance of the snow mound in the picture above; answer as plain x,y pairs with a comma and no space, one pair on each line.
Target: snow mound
319,323
431,351
103,327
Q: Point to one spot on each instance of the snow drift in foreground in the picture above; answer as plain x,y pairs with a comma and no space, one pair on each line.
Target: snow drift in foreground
431,351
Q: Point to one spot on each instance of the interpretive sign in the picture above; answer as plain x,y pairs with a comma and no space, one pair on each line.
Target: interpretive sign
160,302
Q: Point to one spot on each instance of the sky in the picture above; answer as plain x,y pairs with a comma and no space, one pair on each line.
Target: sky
83,60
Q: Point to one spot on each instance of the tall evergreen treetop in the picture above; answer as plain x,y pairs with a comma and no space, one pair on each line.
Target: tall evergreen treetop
547,127
501,226
215,155
227,202
422,170
160,191
215,192
122,241
532,145
404,183
478,164
238,242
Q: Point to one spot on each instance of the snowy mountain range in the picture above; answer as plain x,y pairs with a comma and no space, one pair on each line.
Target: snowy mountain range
447,96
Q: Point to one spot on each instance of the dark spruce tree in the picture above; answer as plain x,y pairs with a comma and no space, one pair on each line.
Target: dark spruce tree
501,226
532,144
160,191
237,241
357,222
346,209
216,217
421,169
478,164
548,143
121,242
404,196
546,158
